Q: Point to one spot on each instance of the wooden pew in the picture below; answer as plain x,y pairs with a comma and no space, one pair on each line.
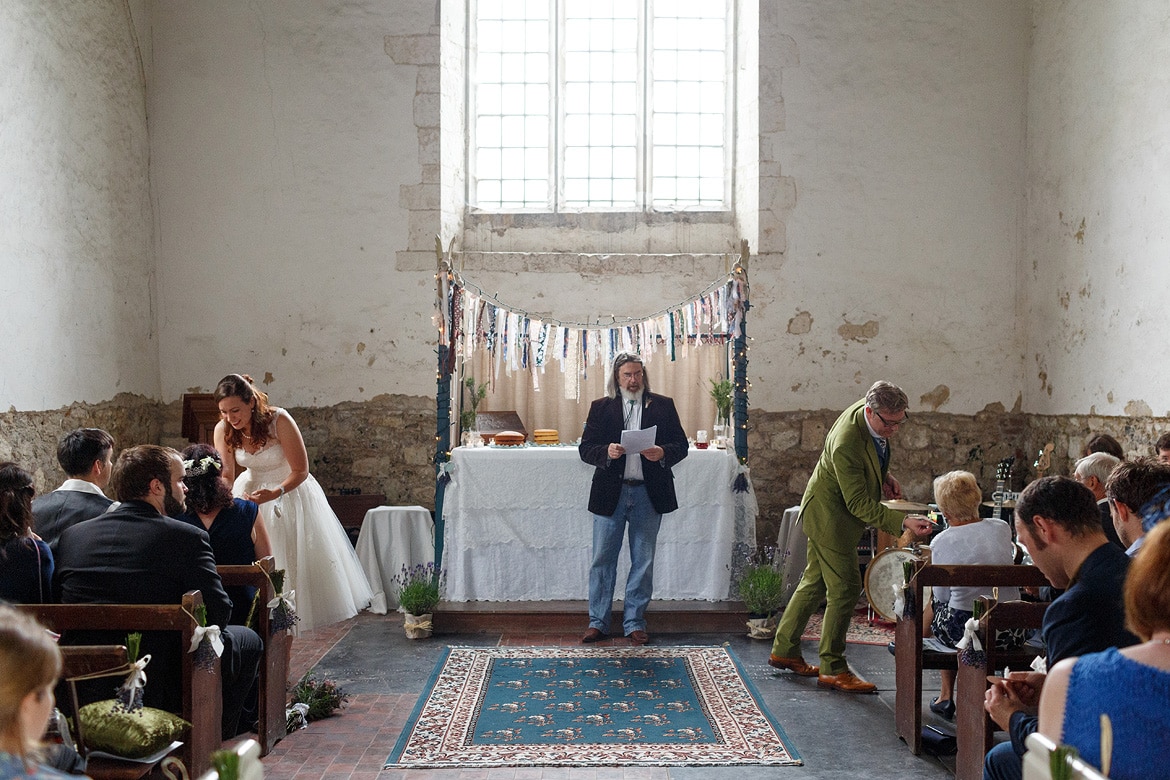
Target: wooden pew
910,658
974,728
202,691
274,663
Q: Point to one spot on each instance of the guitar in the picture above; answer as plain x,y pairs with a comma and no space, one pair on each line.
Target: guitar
1003,472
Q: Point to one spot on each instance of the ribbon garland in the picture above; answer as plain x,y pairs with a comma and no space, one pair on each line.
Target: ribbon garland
469,319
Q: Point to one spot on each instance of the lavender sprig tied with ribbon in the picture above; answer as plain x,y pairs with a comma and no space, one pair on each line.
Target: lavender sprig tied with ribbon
283,605
206,643
128,697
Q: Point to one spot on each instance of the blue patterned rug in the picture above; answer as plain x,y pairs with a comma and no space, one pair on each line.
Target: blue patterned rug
568,706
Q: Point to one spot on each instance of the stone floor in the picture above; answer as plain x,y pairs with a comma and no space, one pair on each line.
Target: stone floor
837,735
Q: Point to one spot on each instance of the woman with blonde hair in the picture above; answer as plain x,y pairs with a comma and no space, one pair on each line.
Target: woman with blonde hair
30,664
968,539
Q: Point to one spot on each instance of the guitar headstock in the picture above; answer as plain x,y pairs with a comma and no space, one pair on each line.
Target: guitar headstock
1003,469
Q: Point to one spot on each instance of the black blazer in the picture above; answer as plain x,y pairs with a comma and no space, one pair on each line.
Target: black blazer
56,511
134,555
604,427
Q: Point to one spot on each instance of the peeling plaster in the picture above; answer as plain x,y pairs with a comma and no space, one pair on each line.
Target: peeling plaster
936,397
1138,409
269,378
994,408
800,324
361,347
1064,300
859,333
1109,396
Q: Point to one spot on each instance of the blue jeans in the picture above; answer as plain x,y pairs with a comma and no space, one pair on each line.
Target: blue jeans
635,512
1003,763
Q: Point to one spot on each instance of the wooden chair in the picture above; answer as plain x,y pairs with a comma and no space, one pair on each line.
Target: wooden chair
274,662
910,658
351,510
201,690
1037,764
974,728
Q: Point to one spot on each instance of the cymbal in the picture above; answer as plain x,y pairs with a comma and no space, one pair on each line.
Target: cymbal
900,505
1009,504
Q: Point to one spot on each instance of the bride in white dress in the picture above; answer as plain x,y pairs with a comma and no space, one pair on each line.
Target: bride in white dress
308,541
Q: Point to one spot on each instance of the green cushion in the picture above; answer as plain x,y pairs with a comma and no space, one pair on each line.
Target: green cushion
131,734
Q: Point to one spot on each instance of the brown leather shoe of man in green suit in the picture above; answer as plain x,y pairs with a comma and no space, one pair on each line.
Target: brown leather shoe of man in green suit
794,665
846,681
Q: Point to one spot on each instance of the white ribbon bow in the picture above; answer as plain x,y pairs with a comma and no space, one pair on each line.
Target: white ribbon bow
212,633
288,599
970,637
137,676
899,600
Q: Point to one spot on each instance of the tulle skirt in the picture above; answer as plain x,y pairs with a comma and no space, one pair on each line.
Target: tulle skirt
309,543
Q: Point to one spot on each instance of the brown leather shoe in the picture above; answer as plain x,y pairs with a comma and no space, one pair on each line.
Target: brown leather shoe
794,665
846,681
638,637
594,635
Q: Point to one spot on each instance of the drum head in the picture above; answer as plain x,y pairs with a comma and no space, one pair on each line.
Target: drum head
883,575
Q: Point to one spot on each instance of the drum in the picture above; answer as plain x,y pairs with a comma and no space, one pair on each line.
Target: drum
884,579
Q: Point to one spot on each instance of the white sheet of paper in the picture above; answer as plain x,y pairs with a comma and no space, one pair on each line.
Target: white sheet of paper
636,441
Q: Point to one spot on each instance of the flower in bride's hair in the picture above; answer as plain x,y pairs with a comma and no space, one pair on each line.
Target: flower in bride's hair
197,468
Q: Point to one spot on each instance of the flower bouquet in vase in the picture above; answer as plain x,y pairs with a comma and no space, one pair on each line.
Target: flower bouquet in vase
721,394
761,589
418,595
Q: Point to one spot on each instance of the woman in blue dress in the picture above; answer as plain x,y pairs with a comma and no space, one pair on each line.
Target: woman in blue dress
237,532
26,564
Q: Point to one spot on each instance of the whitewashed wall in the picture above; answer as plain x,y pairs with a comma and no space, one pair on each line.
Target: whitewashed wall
76,288
1098,266
903,136
282,133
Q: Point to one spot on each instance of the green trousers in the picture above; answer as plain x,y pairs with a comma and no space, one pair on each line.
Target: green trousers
833,576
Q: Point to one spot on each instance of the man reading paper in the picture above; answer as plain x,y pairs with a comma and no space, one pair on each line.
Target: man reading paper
631,489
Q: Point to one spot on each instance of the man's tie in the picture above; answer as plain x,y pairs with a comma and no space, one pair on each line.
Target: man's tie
883,447
629,414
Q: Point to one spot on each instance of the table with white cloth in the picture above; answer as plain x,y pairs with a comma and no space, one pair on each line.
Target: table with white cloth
517,527
393,537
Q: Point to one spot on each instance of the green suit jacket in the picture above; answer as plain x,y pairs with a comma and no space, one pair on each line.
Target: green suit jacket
844,495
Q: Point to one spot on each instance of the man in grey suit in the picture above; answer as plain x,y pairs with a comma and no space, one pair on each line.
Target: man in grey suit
86,455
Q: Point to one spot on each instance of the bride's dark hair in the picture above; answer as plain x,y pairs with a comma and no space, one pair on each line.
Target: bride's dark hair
206,491
243,387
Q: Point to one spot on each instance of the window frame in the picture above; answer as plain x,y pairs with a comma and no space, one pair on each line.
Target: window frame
557,210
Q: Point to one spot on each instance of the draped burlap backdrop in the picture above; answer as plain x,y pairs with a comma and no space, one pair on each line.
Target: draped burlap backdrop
685,380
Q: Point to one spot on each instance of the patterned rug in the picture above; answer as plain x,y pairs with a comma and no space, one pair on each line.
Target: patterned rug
612,706
860,631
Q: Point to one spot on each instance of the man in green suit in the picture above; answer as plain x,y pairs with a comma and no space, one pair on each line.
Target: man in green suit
842,499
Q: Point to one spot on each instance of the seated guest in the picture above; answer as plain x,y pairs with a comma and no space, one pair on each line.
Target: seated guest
30,664
26,564
237,532
86,456
1162,448
1130,487
1103,442
1131,686
1057,521
139,554
968,539
1093,471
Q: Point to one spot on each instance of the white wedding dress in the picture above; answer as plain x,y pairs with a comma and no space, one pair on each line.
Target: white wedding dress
308,541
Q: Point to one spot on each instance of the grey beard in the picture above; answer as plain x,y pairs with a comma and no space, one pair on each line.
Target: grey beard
627,396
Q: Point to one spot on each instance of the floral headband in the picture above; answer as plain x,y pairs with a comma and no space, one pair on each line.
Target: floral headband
200,467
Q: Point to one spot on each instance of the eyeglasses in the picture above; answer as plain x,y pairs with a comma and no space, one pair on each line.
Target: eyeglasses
890,424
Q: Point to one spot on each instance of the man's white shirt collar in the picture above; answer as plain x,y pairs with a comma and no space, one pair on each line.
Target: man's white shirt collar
81,486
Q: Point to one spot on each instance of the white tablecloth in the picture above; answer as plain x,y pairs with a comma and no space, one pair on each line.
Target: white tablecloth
393,537
517,527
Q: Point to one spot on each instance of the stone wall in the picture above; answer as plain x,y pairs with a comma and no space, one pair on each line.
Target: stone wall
385,445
